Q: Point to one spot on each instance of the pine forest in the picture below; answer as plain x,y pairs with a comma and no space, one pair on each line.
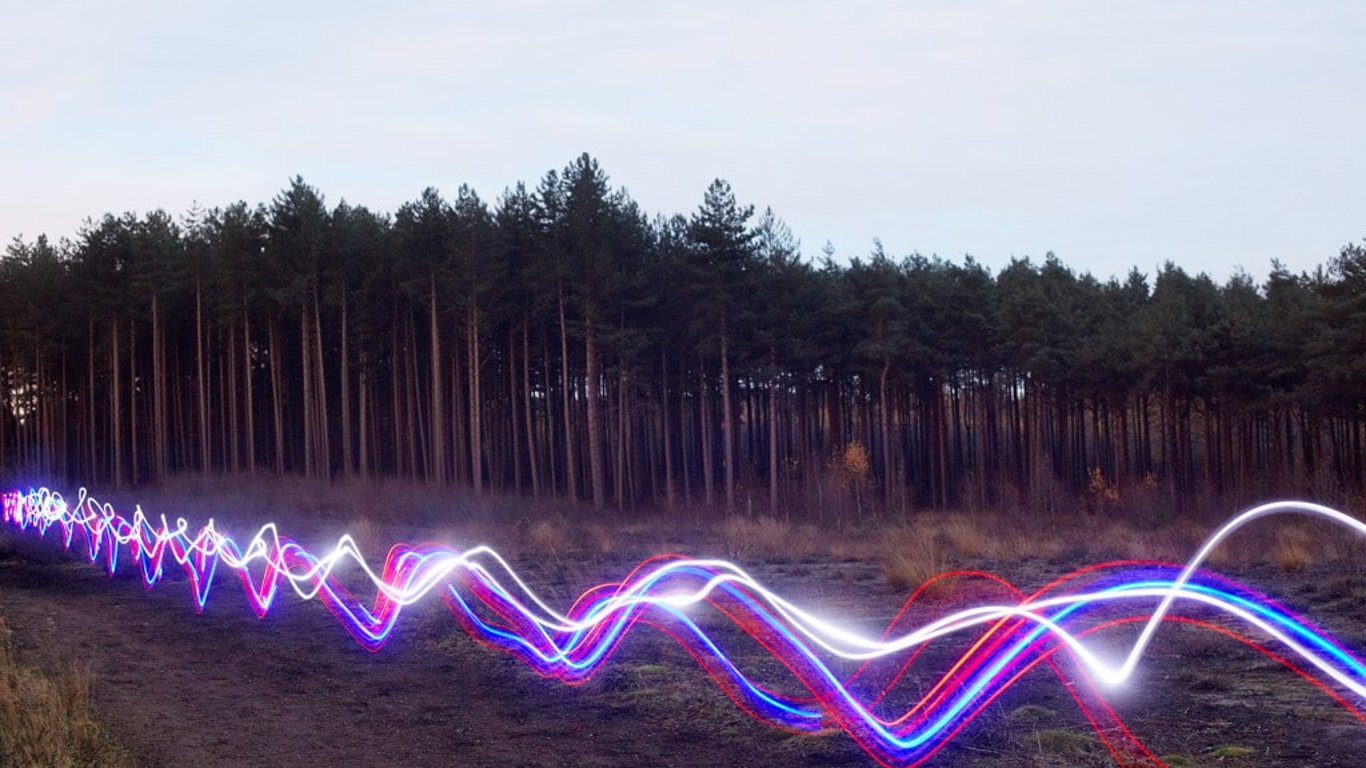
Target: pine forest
561,343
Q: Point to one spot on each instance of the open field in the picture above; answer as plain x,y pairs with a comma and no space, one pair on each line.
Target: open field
223,688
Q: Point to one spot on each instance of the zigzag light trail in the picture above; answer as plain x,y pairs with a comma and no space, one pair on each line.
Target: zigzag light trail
497,607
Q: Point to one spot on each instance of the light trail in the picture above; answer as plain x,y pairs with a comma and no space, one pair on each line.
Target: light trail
497,607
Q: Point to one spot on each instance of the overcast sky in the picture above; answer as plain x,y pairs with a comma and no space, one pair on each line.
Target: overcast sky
1216,135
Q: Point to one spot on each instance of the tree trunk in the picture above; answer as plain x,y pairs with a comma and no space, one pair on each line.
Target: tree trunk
227,404
347,466
458,436
591,390
551,440
436,426
306,367
228,397
620,452
884,434
420,437
685,433
321,431
513,417
476,434
727,427
773,388
363,427
159,382
115,402
93,469
277,393
201,386
571,477
247,388
668,439
132,404
531,447
708,466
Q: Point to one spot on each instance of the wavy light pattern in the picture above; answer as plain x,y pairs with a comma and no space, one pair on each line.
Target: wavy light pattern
831,669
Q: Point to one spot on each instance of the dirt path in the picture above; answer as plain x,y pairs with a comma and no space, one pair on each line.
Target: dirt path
224,689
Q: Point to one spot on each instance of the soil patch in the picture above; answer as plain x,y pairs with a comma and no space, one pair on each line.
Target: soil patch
225,689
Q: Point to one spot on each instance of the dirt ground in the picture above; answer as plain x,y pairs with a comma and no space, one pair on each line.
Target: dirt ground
225,689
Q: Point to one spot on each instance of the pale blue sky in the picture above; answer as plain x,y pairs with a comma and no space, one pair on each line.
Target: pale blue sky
1117,134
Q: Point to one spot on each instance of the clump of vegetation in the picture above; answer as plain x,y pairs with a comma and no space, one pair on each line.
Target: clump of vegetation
769,538
910,559
45,715
1291,551
599,539
1232,751
1101,491
1056,741
967,536
549,538
1031,713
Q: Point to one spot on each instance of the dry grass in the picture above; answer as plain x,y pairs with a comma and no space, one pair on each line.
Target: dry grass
1110,522
45,716
600,539
966,536
549,537
912,552
370,537
909,560
558,537
1292,549
768,538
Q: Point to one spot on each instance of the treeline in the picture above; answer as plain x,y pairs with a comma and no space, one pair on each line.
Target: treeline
562,343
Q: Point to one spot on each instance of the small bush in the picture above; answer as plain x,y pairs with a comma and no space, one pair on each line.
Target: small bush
1100,491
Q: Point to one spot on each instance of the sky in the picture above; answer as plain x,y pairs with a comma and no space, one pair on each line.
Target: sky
1216,135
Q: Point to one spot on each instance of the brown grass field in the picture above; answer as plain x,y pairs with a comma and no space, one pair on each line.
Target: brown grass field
94,672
